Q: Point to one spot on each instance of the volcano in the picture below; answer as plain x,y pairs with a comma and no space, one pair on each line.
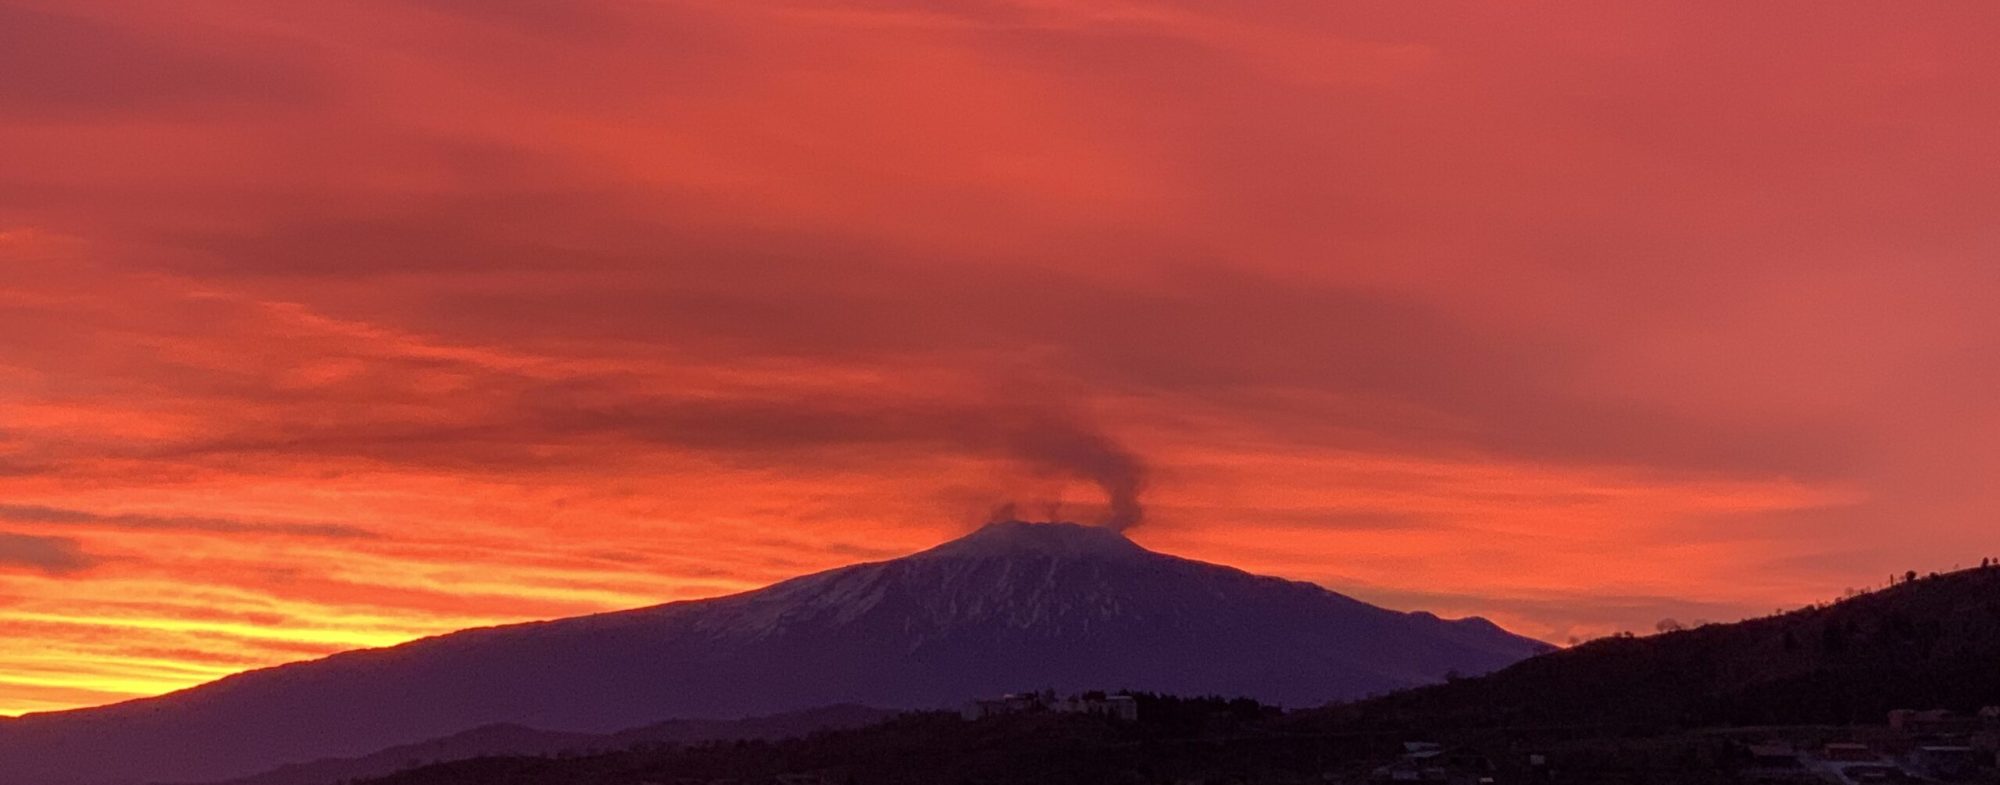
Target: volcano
1010,607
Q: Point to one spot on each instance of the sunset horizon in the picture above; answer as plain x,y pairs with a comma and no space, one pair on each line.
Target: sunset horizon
1386,597
333,327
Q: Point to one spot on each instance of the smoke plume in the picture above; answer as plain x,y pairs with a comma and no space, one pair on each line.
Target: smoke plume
1063,446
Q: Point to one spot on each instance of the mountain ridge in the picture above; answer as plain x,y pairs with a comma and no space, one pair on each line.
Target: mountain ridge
1011,606
1924,643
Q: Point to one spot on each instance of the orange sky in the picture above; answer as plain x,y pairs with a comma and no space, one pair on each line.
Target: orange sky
332,325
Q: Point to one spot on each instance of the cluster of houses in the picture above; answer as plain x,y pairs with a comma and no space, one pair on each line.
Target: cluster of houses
1932,745
1117,707
1912,746
1424,761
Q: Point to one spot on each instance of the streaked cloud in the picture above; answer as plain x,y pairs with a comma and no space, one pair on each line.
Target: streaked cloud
25,513
50,555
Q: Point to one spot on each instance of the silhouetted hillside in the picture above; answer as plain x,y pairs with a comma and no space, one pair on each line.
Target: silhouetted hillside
516,740
1175,739
1932,642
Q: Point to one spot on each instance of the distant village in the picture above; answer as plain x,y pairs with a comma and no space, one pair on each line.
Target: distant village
1913,746
1928,745
1116,706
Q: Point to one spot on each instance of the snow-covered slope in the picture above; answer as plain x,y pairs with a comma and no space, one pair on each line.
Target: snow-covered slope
1012,606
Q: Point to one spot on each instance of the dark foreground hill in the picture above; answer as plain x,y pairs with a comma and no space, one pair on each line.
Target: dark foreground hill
516,740
1013,605
1175,740
1931,642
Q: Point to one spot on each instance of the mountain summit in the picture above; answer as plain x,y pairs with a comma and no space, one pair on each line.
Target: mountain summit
1011,539
1009,607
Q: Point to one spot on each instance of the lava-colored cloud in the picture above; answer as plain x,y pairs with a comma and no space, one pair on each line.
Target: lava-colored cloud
326,326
